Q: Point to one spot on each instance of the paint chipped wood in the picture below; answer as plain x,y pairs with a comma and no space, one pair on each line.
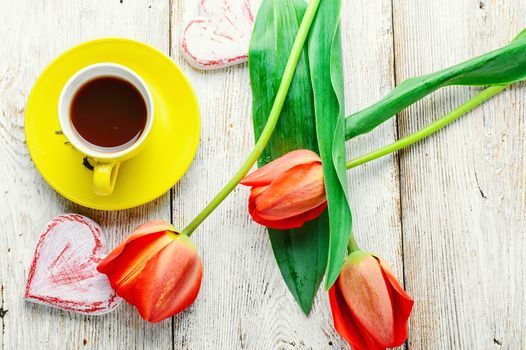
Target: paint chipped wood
462,253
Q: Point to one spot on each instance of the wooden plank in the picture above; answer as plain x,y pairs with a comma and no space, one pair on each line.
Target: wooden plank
463,190
243,302
32,34
374,187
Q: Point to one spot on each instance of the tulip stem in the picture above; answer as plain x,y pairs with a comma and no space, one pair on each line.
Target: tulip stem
272,120
352,245
425,132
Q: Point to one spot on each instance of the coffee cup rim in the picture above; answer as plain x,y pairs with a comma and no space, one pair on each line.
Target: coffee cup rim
85,75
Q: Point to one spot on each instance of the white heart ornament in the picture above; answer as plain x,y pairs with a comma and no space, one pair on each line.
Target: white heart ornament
64,273
221,37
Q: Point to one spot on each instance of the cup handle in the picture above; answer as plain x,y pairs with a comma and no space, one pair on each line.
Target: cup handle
104,176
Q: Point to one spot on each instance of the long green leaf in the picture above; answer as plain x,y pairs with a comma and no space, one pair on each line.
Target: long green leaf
301,253
326,69
503,66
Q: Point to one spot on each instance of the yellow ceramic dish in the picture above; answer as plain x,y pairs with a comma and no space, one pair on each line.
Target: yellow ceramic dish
169,149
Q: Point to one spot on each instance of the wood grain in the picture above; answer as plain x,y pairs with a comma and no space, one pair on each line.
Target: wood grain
32,35
463,190
450,219
243,302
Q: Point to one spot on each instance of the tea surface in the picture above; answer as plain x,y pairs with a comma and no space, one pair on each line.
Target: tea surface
108,112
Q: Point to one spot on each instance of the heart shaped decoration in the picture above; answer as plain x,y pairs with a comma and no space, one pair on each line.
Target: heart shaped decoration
64,273
221,37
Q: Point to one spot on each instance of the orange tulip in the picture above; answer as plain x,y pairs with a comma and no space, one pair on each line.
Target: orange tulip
369,307
156,269
288,191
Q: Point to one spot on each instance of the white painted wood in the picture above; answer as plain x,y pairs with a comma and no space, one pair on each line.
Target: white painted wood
243,301
32,35
462,252
374,188
463,190
369,73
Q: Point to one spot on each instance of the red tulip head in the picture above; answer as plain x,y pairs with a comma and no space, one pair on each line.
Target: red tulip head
369,307
288,191
156,269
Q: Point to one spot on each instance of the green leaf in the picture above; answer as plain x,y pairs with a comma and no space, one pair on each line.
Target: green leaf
503,66
326,69
301,253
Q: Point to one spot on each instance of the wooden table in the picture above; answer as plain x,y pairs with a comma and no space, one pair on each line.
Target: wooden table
449,213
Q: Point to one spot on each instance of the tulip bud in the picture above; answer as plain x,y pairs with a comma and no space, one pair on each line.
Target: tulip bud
156,269
288,191
369,307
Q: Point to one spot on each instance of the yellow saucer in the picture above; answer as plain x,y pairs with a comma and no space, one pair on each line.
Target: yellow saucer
170,147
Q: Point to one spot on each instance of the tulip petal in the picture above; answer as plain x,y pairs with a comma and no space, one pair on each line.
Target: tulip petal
345,324
256,191
125,266
145,229
367,296
151,227
402,305
284,224
294,192
268,173
289,223
169,282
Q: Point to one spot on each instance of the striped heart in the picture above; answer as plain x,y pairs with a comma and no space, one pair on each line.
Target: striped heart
63,273
219,38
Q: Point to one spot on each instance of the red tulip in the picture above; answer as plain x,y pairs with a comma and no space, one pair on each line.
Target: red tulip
369,307
288,191
156,269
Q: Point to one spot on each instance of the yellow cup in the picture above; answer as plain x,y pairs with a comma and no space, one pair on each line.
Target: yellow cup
105,161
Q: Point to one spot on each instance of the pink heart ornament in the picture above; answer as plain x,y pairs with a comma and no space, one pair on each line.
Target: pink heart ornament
221,37
64,273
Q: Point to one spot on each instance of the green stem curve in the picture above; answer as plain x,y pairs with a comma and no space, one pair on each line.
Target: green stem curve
425,132
352,245
275,112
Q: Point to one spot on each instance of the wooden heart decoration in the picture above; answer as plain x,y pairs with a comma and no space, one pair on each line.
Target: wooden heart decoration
221,37
64,273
